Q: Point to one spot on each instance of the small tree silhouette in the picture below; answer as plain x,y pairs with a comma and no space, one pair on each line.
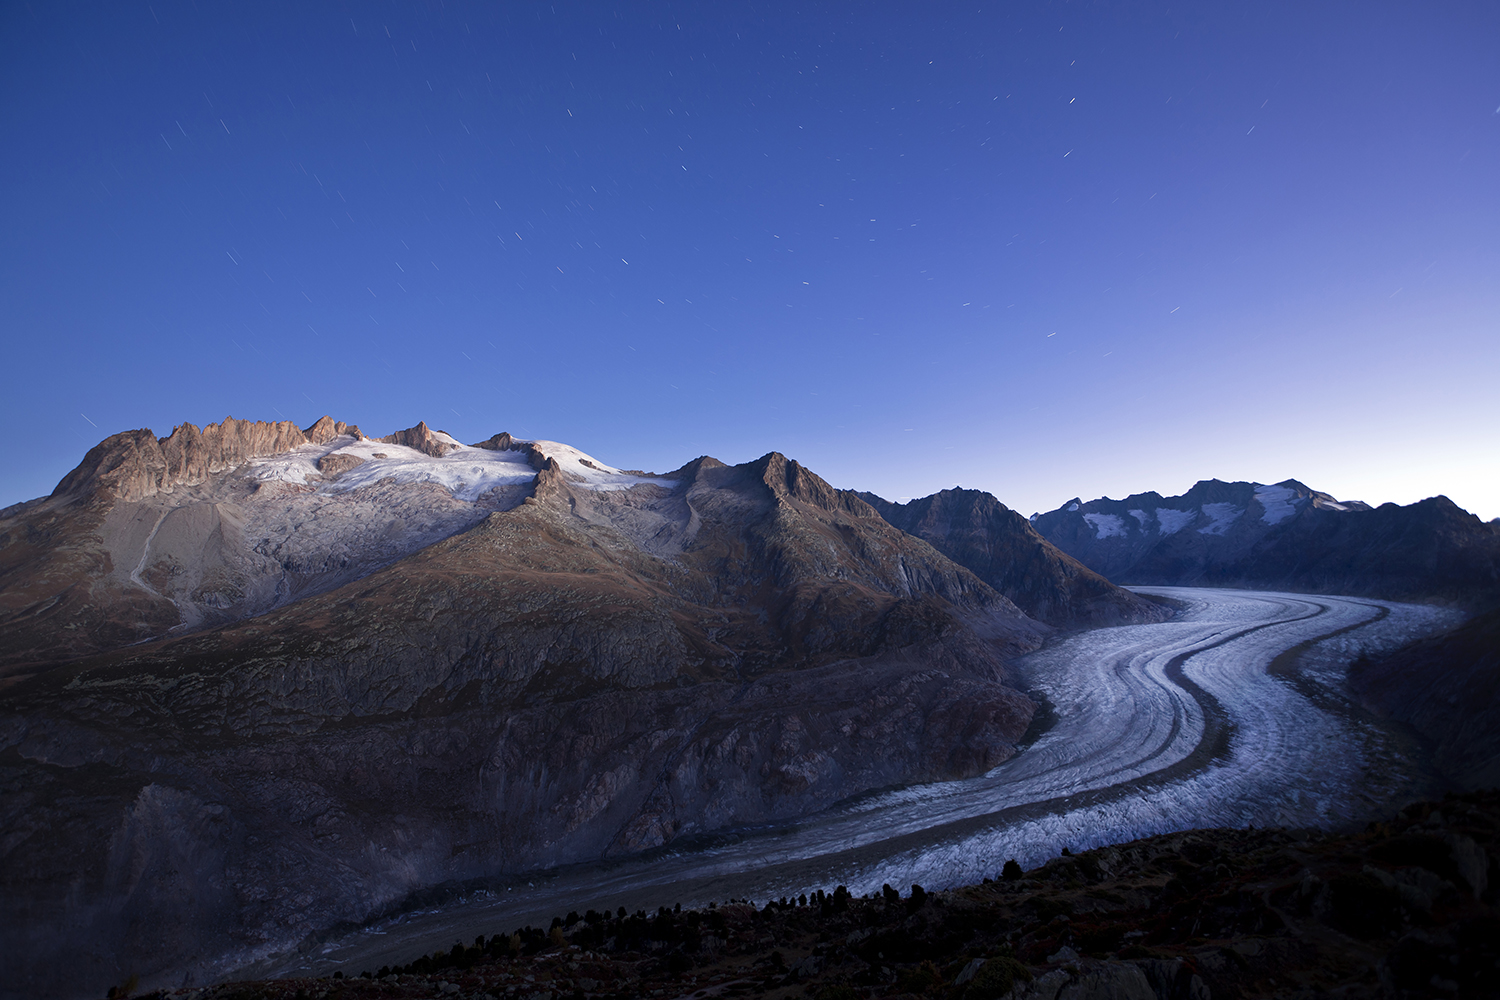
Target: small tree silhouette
1012,871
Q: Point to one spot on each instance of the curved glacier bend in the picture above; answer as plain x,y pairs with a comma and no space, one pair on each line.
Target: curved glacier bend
1159,727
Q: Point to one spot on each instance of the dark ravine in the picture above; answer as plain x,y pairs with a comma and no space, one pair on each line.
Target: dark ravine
551,674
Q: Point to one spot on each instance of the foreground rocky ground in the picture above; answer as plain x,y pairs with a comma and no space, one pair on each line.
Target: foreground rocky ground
1405,909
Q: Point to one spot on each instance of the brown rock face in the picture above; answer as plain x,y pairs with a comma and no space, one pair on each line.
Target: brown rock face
980,533
149,536
327,428
586,673
332,465
135,465
421,438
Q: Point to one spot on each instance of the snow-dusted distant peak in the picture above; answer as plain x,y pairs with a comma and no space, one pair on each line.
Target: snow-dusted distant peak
1279,502
1173,521
1106,525
1221,515
588,472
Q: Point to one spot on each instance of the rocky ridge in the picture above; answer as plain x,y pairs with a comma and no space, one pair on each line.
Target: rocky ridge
1284,537
153,536
572,662
1003,549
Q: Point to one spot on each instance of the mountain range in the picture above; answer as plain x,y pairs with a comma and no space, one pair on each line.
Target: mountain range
259,680
250,657
1283,537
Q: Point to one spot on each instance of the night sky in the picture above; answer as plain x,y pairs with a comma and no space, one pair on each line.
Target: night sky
1044,250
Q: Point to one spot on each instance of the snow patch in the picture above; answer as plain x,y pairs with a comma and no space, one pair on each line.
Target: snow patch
1141,516
1106,525
590,473
1222,515
1072,506
1278,501
1173,521
467,473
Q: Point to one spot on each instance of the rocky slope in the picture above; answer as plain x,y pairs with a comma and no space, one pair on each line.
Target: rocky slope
1286,537
1405,910
1002,548
264,680
1448,688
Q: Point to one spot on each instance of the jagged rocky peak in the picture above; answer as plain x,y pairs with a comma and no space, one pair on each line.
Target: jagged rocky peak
136,464
790,479
327,428
424,439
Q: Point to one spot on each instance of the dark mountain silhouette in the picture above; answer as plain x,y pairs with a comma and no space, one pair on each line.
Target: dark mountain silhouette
1284,537
1002,548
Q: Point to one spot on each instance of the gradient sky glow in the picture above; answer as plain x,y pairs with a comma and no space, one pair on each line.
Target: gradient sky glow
1044,250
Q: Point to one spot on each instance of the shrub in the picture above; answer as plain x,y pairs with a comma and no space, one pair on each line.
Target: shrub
837,993
997,977
1012,871
920,979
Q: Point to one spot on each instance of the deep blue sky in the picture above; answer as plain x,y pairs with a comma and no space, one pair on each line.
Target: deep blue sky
1039,249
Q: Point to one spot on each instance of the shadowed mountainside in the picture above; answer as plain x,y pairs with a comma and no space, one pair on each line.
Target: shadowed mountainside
587,662
1448,687
1002,548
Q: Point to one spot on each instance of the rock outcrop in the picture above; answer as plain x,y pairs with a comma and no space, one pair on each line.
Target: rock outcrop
423,439
601,664
135,465
1002,548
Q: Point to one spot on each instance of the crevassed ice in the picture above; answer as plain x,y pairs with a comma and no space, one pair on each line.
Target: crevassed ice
1106,525
1173,521
467,473
1222,515
1277,501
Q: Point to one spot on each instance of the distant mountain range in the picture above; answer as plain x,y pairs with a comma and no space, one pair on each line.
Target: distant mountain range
979,532
1285,536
